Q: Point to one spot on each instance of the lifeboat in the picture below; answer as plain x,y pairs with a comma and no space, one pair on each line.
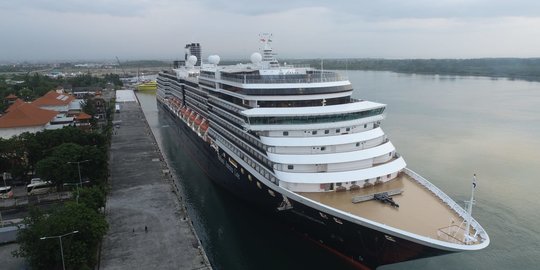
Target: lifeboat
198,121
186,114
204,126
193,116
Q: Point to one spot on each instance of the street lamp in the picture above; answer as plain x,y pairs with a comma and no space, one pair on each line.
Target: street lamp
61,248
79,170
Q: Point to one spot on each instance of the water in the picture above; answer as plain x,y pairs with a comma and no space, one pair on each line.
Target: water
447,128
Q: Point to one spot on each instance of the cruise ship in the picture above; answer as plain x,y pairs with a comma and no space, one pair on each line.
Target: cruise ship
293,141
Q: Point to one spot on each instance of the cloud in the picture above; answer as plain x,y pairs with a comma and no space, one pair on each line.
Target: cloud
381,9
109,7
143,29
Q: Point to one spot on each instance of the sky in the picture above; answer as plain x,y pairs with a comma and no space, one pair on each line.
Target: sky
41,30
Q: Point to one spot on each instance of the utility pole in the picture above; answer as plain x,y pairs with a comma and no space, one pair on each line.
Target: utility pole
79,170
61,248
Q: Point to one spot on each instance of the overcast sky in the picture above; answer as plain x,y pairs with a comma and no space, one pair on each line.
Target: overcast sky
158,29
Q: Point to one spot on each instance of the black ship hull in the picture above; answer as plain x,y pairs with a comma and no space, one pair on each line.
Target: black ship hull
364,247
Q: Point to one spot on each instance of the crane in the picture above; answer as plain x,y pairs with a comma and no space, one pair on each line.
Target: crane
125,73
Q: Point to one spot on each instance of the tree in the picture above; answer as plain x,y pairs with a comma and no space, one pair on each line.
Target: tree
26,94
55,167
93,197
79,249
60,168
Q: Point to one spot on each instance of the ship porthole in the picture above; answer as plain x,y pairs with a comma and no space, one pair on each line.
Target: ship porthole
259,185
271,192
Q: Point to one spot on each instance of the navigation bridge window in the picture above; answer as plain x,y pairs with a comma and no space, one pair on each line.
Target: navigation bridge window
313,118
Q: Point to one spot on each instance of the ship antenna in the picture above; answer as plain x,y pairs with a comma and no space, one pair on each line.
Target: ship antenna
268,55
467,237
322,68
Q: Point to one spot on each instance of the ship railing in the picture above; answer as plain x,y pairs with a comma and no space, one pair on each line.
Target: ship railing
354,100
317,77
253,163
206,75
229,116
448,201
225,104
296,65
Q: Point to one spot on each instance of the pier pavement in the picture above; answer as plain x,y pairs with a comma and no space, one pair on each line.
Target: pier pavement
148,226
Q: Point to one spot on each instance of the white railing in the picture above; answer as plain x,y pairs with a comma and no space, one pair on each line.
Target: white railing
317,77
448,201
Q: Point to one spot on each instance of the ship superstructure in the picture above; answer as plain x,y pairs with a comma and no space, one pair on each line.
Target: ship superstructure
294,140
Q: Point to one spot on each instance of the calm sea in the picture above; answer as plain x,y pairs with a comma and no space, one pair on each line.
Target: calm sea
446,127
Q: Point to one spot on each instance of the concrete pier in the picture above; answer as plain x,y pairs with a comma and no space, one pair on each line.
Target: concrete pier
148,225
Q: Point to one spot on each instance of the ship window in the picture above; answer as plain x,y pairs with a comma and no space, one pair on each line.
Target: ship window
271,192
365,125
337,130
357,144
314,132
285,133
353,183
388,176
323,148
290,167
378,178
348,129
390,154
259,185
338,184
249,177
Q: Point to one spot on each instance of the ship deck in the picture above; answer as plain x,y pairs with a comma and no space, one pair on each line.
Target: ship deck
419,211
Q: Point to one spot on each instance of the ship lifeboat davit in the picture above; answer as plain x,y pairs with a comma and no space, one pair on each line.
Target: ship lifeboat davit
204,126
198,121
186,114
192,117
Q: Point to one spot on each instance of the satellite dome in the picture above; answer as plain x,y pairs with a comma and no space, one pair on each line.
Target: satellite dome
256,58
213,59
192,60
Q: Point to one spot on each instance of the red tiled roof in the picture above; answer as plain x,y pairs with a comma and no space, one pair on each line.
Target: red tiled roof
83,116
53,99
15,104
11,96
26,115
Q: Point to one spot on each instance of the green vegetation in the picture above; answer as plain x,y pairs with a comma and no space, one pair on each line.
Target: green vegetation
51,154
513,68
146,63
56,167
20,155
31,86
79,249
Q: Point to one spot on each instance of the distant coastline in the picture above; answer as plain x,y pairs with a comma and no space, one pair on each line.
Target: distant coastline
512,68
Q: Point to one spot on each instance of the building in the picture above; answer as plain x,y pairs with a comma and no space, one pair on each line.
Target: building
55,101
54,110
23,117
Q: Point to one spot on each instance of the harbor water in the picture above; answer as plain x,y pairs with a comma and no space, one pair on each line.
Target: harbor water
446,127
